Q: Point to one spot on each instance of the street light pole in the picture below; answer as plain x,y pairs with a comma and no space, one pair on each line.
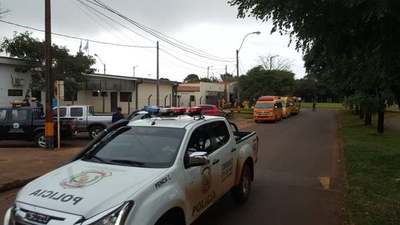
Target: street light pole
237,64
49,125
158,75
208,71
101,61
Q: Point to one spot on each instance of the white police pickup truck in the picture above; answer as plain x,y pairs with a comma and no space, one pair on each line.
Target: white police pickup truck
156,171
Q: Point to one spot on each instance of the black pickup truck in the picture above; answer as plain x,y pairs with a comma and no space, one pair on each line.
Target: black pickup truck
27,123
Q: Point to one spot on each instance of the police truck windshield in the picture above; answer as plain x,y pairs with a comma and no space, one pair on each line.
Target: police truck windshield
150,147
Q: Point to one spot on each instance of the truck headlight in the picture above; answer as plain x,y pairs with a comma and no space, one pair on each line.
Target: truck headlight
114,216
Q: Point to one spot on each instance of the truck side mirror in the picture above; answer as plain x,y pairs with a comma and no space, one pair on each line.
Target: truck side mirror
195,159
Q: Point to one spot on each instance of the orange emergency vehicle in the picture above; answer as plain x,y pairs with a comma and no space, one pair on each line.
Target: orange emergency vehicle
268,108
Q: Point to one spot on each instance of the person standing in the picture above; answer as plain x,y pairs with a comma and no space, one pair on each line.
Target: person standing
117,115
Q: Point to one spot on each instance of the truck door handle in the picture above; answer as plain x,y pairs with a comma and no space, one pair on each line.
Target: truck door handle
215,161
233,150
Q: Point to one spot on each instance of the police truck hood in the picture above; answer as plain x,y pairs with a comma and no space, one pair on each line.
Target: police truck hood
87,188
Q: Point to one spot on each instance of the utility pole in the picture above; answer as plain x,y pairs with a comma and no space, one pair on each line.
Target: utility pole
49,125
158,74
237,82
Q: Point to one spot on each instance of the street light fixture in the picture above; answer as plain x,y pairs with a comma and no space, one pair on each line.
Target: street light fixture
101,61
271,58
208,71
237,62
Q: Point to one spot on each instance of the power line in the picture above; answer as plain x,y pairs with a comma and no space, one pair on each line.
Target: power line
75,37
158,34
165,48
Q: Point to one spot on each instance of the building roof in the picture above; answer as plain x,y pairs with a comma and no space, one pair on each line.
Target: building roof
4,60
140,79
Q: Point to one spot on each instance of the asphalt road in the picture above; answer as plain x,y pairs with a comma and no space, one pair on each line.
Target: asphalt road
297,177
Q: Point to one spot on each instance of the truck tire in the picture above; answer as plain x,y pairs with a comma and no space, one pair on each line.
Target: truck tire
40,140
241,192
95,130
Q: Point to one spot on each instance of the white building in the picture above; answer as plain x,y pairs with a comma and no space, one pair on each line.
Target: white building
191,94
14,85
107,92
104,92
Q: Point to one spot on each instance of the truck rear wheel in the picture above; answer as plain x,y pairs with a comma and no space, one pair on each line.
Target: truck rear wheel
40,140
95,130
242,191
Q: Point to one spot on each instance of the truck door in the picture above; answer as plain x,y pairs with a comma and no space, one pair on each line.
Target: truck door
81,119
201,181
19,124
226,154
3,122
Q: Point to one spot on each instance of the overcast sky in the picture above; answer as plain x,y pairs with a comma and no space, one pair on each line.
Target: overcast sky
209,25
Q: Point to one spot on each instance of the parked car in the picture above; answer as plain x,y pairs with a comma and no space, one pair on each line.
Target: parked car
210,110
87,120
27,123
144,172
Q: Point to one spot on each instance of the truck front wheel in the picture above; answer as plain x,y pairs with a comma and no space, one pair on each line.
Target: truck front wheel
95,130
242,191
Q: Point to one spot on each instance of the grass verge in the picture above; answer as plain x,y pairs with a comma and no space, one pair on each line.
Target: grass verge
308,105
373,173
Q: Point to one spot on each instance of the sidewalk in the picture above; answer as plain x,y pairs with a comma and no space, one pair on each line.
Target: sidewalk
20,165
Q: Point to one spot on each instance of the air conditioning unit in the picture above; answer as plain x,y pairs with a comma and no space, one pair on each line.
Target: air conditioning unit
18,82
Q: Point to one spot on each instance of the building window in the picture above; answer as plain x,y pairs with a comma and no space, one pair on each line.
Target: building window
192,98
125,96
15,92
71,96
104,94
95,94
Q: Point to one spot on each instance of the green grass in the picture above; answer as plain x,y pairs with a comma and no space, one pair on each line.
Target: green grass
373,173
308,105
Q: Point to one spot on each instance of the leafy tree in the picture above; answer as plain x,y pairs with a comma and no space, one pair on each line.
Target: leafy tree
65,66
192,78
259,81
354,41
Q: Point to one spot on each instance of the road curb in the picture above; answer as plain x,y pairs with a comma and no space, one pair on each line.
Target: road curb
15,184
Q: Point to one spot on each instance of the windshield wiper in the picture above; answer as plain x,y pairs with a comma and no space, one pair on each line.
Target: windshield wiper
127,162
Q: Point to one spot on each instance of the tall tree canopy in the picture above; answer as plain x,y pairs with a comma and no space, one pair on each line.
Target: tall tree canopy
191,78
354,41
66,67
259,81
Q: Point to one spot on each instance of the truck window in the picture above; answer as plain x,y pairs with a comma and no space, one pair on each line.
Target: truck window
152,147
221,134
63,112
200,140
91,110
76,112
3,115
19,115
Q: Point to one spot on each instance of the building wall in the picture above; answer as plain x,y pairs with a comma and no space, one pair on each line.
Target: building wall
6,83
147,89
207,91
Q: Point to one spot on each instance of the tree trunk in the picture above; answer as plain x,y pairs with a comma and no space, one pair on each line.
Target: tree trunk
381,121
368,118
363,113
